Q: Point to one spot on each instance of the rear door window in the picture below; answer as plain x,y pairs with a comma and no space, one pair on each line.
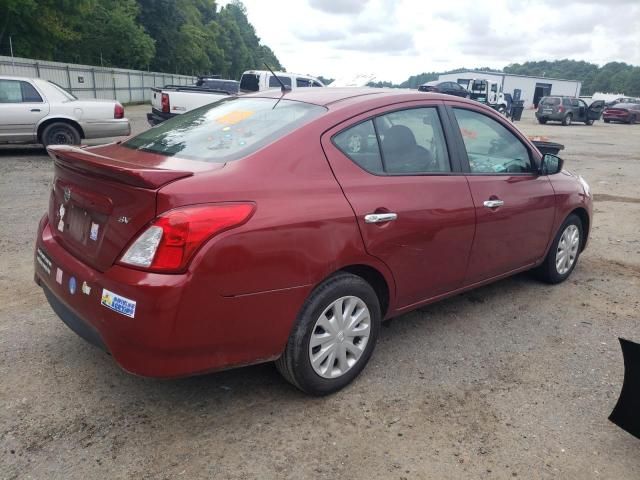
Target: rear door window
303,82
491,147
405,142
10,91
227,130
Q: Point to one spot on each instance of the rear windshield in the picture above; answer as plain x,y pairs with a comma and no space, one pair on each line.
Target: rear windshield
550,101
249,82
226,130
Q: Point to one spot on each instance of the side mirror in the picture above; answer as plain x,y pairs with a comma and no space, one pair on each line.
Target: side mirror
551,164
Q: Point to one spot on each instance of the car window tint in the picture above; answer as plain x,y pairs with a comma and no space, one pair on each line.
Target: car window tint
303,82
490,146
360,144
316,84
29,94
574,102
226,130
412,141
10,91
273,81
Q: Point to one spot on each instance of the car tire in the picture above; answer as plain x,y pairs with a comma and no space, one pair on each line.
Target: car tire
632,120
588,122
566,121
60,133
563,253
313,368
542,121
606,120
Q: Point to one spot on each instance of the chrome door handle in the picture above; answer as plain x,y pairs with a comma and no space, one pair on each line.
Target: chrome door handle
35,109
380,217
493,203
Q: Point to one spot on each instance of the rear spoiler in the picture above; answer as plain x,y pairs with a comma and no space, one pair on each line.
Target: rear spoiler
84,161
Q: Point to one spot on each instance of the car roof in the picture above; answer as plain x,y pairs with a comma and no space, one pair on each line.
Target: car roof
14,77
333,97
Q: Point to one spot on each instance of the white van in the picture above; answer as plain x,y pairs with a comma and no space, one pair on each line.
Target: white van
258,80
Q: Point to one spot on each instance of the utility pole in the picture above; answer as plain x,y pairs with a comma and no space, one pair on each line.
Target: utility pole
11,49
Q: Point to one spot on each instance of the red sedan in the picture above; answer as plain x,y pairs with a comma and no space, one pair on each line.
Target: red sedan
287,227
622,112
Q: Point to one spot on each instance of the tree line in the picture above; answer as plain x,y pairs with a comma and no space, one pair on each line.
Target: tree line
173,36
614,77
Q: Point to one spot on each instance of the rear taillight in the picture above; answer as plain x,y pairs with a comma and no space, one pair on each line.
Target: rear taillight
118,111
169,243
560,109
166,107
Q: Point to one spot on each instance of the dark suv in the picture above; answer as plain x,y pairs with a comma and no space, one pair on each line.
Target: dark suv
568,110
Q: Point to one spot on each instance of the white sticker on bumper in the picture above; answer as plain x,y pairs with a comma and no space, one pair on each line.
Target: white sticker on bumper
117,303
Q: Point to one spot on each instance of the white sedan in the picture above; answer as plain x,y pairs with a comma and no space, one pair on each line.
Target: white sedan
33,110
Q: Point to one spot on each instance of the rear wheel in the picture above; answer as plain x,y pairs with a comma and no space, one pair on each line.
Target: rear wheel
606,120
564,252
566,121
633,119
60,133
542,120
334,335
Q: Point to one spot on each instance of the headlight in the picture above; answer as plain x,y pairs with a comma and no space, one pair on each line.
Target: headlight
585,185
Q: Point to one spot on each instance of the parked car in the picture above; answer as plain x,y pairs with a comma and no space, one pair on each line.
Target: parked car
622,112
448,88
259,80
172,100
622,100
568,110
248,230
33,110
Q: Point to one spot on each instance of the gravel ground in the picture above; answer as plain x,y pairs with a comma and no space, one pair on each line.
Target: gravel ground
515,379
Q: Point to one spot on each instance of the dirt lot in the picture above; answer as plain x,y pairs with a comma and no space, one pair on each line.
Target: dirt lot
513,380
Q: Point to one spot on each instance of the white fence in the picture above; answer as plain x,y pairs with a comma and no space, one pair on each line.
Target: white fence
86,81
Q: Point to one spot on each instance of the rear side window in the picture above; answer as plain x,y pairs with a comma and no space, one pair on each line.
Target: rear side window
360,144
250,82
491,147
406,142
303,82
550,101
227,130
273,81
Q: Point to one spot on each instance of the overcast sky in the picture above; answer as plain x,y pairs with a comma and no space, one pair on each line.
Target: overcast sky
394,39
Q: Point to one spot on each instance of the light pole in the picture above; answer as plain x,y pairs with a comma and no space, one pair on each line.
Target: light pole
11,50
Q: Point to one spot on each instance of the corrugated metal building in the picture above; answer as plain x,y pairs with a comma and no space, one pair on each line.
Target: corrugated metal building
532,88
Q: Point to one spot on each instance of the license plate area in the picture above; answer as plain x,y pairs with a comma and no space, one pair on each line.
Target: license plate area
78,224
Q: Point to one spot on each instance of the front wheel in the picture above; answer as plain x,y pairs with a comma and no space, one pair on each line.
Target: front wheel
589,122
542,121
334,335
564,252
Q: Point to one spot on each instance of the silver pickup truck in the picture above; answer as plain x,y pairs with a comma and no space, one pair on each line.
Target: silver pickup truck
33,110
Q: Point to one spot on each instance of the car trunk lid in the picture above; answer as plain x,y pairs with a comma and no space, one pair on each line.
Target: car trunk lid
99,201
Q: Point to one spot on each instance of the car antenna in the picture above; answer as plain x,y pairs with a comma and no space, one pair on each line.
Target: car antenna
283,88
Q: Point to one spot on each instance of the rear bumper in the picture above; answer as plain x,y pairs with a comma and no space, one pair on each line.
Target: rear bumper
107,128
179,327
156,117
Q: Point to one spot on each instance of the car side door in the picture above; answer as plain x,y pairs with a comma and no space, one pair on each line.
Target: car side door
410,198
514,203
21,108
595,110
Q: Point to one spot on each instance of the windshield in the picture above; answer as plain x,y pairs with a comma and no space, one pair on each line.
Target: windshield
227,130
